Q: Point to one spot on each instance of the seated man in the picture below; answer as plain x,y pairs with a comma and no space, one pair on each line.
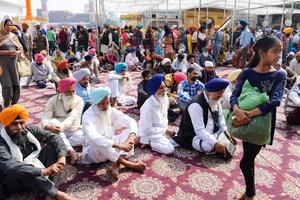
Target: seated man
292,104
153,123
189,88
205,56
119,81
131,59
208,72
202,121
83,89
62,71
192,64
25,166
99,124
88,62
166,67
232,77
62,116
143,95
41,71
179,64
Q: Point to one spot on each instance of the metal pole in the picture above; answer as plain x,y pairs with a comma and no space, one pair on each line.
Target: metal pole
232,24
225,9
97,25
157,16
199,10
167,2
292,9
282,16
200,6
248,17
206,16
179,14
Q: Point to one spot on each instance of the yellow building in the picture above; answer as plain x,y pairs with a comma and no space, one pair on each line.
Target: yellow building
190,17
131,19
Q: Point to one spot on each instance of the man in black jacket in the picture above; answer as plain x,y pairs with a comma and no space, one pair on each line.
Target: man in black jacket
26,165
143,95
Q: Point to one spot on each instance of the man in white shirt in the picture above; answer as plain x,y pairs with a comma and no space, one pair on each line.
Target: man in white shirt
100,123
119,81
62,116
179,64
203,121
295,64
131,59
153,123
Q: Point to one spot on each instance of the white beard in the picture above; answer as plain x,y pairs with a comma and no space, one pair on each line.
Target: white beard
68,102
214,105
164,103
105,119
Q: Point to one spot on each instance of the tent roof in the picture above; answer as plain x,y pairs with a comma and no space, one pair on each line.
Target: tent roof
140,6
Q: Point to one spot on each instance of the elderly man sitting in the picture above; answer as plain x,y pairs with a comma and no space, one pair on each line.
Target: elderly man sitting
292,104
153,124
119,81
99,125
203,122
62,116
82,77
25,166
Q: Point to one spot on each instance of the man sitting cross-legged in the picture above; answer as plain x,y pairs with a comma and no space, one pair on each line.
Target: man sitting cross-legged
62,116
153,124
99,125
26,165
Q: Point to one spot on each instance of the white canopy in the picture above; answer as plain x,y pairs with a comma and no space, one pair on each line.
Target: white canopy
140,6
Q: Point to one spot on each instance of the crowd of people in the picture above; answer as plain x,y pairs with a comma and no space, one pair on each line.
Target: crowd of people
178,70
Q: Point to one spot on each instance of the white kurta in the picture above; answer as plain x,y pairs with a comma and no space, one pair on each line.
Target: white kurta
153,124
69,122
205,133
119,92
99,141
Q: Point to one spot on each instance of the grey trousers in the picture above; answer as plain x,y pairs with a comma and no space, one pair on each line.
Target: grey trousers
16,182
11,95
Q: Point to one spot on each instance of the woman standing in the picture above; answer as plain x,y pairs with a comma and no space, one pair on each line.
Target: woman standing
261,74
10,48
168,44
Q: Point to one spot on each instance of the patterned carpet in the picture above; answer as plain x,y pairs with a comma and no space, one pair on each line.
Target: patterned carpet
186,175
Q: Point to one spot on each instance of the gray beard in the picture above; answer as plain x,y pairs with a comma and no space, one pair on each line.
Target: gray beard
164,103
213,104
105,119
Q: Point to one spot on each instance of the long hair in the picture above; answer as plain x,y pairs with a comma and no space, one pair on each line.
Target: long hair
264,44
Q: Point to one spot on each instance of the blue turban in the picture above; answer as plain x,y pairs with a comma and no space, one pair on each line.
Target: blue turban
154,83
98,94
243,22
120,66
216,85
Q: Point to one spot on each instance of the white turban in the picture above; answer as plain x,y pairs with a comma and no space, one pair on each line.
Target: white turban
208,64
80,74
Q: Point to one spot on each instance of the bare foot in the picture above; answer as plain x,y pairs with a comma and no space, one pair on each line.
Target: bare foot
74,157
113,170
139,166
63,196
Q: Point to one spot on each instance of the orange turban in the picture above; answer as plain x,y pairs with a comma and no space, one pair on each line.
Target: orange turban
8,115
63,64
298,54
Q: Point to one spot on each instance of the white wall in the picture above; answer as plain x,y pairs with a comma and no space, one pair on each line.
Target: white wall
12,8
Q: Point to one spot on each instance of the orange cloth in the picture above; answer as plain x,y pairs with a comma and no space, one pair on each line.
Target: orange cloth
298,54
63,64
8,115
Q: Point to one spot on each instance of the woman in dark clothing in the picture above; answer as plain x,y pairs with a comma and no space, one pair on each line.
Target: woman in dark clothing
261,74
10,48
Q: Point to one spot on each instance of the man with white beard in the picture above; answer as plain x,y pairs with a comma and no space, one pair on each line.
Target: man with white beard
202,121
153,124
99,124
62,116
119,81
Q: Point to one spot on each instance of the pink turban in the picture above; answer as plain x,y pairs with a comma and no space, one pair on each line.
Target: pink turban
65,84
92,51
179,76
39,57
